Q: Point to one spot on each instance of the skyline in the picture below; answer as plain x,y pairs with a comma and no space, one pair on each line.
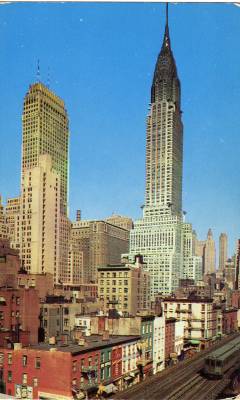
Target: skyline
128,203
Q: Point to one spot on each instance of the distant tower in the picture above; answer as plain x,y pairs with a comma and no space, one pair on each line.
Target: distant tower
78,215
223,256
209,254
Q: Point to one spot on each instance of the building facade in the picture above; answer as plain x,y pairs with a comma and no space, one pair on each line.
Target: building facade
192,264
13,221
199,316
40,218
223,256
125,288
209,254
101,243
158,236
45,131
3,225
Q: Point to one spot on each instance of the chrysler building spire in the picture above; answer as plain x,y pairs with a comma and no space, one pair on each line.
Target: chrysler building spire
164,136
158,235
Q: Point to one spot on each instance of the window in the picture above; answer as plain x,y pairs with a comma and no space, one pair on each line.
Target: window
102,374
9,358
9,376
35,382
1,358
74,366
108,371
102,357
38,362
24,360
24,379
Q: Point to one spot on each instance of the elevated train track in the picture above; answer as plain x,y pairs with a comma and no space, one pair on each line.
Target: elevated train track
181,382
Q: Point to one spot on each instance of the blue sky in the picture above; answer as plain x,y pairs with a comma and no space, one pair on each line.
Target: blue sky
101,59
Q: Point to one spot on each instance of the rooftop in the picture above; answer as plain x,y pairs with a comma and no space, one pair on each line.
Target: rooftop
92,342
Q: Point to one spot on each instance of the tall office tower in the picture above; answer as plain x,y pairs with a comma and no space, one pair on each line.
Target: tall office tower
3,225
45,131
40,218
209,254
13,221
192,264
222,251
158,236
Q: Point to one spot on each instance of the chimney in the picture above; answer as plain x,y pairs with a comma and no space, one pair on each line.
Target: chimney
52,340
17,346
105,335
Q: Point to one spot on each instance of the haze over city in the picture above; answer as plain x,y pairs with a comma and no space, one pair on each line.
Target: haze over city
104,80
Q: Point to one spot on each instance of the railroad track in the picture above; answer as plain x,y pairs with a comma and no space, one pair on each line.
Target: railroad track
184,376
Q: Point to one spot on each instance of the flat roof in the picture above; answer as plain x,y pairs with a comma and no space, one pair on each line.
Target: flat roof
92,342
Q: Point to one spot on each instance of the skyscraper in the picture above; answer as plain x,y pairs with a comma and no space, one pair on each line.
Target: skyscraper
158,235
40,216
222,251
45,131
44,226
209,254
164,147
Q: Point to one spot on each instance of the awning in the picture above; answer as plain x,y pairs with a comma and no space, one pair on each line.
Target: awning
127,378
194,341
111,388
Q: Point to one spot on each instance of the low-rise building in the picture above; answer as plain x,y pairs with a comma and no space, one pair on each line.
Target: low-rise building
43,283
229,320
76,370
179,337
19,316
199,316
158,344
169,339
9,264
58,316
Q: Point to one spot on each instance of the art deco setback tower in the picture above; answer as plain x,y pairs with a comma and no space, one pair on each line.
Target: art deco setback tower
164,137
45,131
158,236
44,224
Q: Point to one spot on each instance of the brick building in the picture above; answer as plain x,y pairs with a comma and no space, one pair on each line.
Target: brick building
169,338
229,321
76,370
19,316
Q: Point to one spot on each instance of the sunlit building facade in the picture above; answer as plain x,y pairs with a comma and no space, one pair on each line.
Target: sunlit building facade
158,235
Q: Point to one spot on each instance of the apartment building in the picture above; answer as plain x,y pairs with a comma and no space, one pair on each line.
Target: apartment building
199,316
125,288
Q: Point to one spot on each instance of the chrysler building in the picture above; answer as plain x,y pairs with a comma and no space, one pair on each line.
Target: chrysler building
159,235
